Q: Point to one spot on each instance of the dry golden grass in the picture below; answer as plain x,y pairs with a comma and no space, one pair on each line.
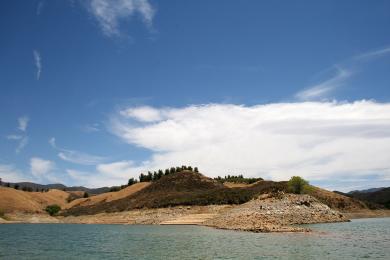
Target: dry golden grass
107,197
12,200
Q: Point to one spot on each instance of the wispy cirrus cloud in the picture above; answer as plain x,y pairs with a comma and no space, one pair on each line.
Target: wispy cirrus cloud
38,63
109,174
342,72
23,123
76,157
91,128
110,13
40,7
373,54
322,89
317,140
21,138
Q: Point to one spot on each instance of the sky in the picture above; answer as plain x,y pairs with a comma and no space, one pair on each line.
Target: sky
93,92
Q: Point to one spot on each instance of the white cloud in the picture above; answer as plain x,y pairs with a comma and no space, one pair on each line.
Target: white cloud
38,63
52,142
122,169
373,54
342,74
23,123
9,173
91,128
23,142
143,114
80,158
22,139
14,137
40,167
324,88
76,157
110,13
110,174
319,141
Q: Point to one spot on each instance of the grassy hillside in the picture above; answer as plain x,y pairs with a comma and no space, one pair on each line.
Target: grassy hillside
12,200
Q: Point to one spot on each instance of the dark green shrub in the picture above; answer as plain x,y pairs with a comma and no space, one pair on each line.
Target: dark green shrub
53,209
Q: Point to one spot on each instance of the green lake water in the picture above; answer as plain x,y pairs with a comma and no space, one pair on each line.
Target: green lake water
363,238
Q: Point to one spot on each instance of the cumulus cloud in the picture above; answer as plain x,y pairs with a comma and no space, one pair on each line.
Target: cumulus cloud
317,140
76,157
38,63
40,167
110,13
143,114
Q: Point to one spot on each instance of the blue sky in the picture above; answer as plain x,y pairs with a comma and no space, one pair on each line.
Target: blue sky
93,92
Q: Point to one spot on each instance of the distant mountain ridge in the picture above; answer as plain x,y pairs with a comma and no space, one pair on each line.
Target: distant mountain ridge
58,186
375,197
367,190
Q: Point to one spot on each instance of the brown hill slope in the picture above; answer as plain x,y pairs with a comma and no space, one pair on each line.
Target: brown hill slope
107,197
12,200
337,201
183,188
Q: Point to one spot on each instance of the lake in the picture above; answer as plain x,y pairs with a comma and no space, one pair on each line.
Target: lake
362,238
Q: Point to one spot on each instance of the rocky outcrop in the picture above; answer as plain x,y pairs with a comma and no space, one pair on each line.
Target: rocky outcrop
276,213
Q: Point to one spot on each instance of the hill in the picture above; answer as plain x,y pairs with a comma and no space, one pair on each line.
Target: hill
181,188
336,200
375,198
12,200
107,197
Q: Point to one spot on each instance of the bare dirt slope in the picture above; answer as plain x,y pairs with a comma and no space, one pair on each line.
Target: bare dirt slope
12,200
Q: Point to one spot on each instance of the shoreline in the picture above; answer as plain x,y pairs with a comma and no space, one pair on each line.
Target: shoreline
268,213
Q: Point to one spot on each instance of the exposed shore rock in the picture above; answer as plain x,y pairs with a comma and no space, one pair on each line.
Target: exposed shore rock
271,213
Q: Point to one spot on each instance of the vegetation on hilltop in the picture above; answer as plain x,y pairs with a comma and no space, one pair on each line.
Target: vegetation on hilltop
237,179
298,185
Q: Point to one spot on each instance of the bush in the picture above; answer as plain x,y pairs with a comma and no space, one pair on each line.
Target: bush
131,181
297,185
53,209
86,195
